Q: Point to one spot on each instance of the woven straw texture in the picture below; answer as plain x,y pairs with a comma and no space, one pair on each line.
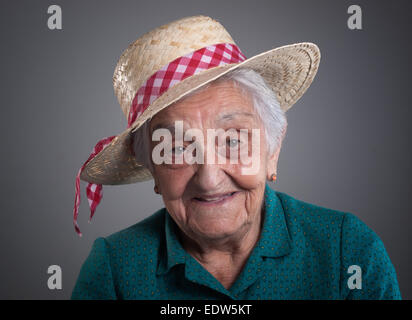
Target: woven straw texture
288,70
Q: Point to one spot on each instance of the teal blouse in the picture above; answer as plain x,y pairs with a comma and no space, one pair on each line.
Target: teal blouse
304,252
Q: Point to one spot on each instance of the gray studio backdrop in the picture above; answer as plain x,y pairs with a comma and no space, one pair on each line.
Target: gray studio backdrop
347,145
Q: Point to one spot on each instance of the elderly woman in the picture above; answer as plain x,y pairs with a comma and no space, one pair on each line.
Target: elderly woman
224,233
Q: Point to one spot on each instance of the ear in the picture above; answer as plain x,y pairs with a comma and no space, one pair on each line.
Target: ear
272,164
156,182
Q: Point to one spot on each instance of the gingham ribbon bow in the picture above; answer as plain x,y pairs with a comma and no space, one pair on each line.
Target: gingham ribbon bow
172,73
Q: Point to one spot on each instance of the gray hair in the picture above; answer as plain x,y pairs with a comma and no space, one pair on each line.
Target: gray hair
264,100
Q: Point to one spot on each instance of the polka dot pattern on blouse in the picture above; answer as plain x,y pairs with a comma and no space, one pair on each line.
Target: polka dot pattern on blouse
304,252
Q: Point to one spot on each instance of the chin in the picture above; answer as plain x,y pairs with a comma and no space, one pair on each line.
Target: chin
218,231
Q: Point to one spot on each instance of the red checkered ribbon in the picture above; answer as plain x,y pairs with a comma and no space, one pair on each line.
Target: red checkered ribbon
94,192
172,73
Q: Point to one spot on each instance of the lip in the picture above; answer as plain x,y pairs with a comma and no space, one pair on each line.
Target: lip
215,199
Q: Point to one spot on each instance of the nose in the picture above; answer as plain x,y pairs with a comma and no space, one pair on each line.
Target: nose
209,174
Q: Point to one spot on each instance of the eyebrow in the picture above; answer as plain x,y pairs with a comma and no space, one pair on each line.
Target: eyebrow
162,125
232,115
221,118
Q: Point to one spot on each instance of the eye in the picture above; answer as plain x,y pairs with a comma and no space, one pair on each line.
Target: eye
232,143
178,150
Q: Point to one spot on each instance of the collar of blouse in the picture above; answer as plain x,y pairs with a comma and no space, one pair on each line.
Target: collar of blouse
274,240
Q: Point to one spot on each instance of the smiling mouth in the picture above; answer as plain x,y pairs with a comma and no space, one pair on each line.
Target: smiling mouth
215,198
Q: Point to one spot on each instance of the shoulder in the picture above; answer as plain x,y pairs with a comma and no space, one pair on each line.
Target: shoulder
325,226
322,219
113,260
347,241
147,231
316,218
137,246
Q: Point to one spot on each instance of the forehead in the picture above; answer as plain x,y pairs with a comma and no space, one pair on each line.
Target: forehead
219,103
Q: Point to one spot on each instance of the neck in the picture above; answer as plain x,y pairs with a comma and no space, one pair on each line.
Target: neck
225,257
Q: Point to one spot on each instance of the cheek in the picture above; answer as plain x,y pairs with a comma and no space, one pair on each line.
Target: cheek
173,183
258,178
247,182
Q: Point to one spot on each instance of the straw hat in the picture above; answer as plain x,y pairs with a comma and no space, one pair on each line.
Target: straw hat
171,61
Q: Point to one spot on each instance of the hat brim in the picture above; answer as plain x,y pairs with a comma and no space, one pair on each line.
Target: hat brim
288,70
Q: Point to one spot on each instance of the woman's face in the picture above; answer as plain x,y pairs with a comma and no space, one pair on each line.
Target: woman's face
214,200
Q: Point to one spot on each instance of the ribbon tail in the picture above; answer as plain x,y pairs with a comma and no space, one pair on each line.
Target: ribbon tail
77,203
94,191
94,196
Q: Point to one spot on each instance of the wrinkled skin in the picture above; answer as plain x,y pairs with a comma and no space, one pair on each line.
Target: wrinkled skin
218,209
